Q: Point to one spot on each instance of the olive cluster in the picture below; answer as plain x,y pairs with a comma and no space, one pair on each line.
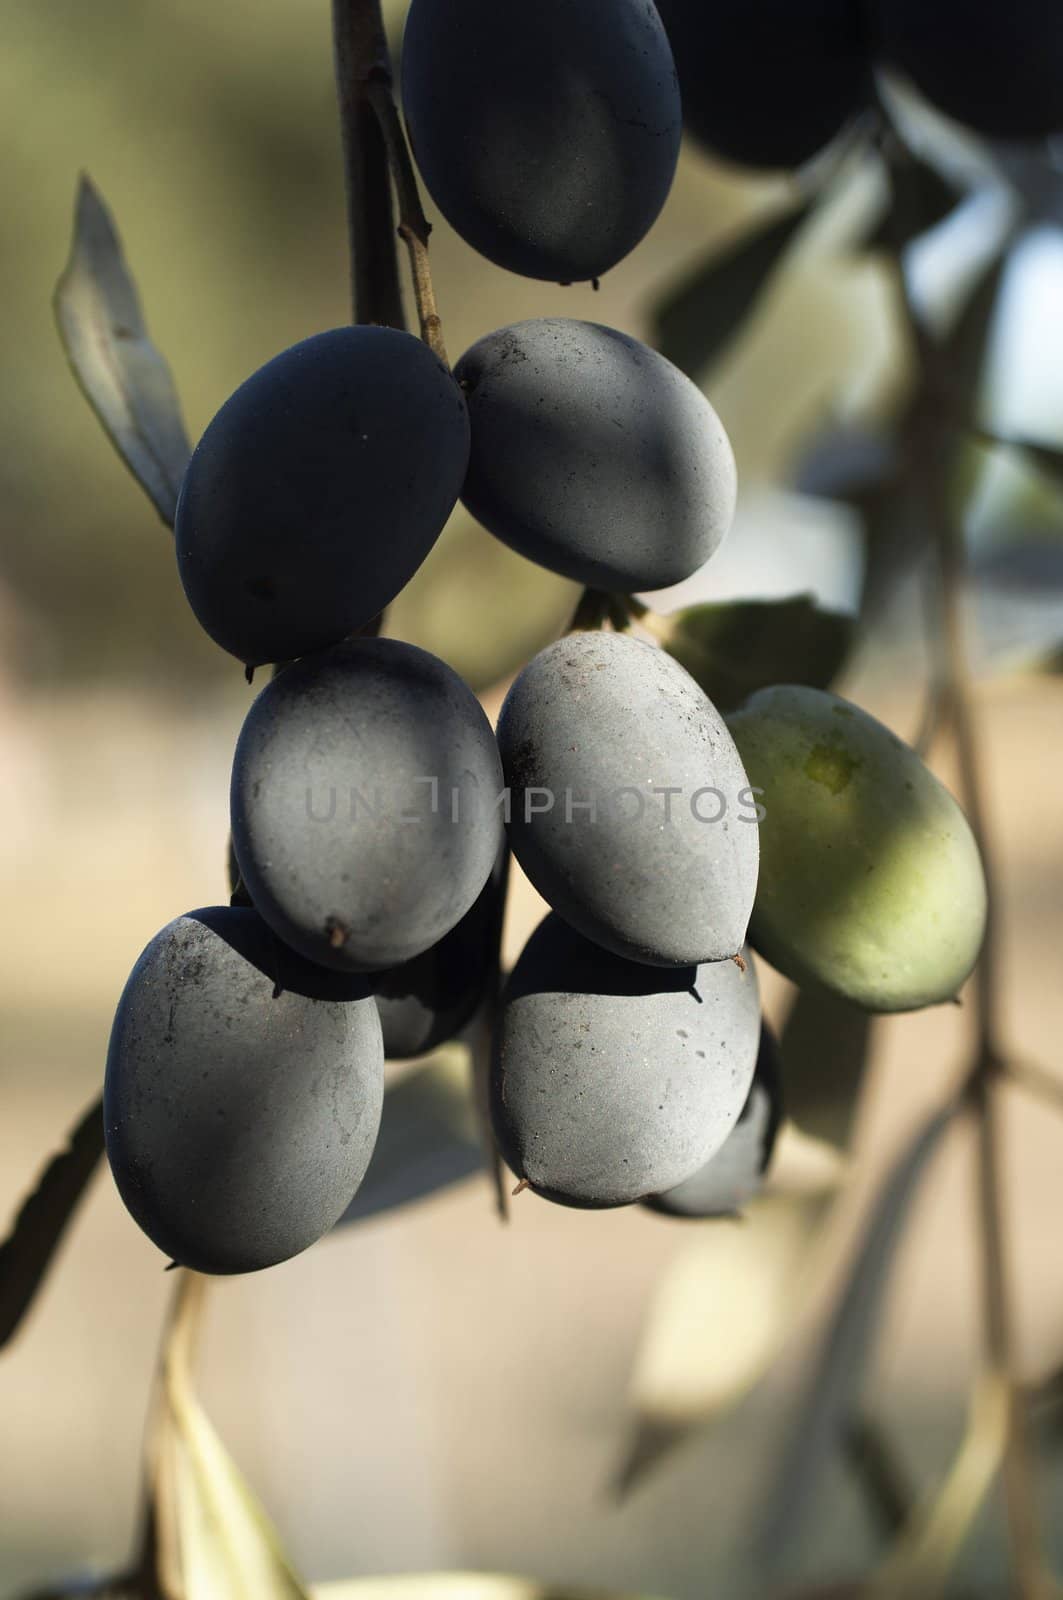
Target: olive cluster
373,808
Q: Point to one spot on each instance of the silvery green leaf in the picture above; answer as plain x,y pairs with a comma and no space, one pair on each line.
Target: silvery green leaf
733,649
700,314
121,373
832,1393
1017,592
37,1230
825,1043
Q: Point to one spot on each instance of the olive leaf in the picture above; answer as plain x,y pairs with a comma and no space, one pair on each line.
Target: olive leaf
825,1045
733,649
211,1536
965,348
26,1253
923,1557
846,462
428,1138
1017,591
878,1470
745,1279
120,372
921,197
700,314
831,1396
1044,458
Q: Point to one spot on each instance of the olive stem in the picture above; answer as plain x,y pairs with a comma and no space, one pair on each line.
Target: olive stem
592,611
360,48
414,226
596,607
932,431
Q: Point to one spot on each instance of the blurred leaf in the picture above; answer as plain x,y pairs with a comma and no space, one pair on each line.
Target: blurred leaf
896,539
733,649
121,1587
965,347
832,1394
921,197
699,315
122,375
213,1537
1043,457
846,463
870,1454
718,1319
1018,604
26,1253
455,1586
922,1560
825,1045
855,1590
803,1166
429,1138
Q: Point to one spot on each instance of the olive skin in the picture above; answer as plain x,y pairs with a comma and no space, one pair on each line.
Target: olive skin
871,883
427,1001
239,1121
594,456
547,133
605,721
612,1081
318,490
364,804
730,1179
998,68
769,83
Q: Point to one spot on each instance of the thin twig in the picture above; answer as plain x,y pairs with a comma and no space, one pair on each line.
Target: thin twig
932,434
360,49
414,226
1036,1080
988,1055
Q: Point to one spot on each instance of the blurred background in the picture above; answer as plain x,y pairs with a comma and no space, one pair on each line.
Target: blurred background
430,1389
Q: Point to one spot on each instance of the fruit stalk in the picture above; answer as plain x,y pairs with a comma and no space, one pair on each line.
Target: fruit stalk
360,49
414,226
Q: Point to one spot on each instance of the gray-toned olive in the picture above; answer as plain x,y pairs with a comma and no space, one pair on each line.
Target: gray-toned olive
611,1080
630,807
239,1114
318,490
364,803
729,1179
594,456
547,133
427,1001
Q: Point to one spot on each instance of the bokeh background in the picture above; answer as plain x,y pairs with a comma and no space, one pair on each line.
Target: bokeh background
431,1389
